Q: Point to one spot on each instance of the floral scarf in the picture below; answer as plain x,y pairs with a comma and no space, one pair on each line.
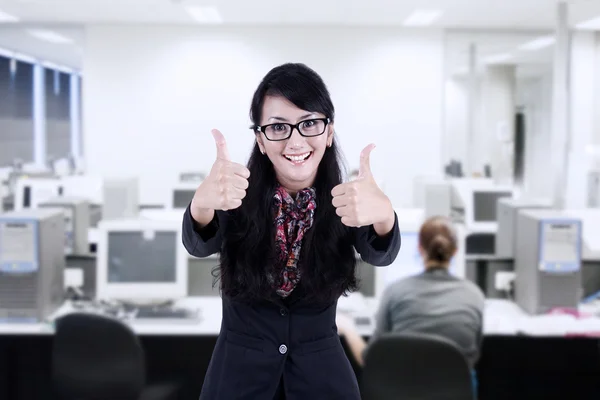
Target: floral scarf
292,219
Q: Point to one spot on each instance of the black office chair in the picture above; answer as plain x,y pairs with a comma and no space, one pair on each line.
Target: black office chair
100,358
415,367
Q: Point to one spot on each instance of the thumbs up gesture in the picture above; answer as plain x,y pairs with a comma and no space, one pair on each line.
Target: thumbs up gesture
224,187
361,202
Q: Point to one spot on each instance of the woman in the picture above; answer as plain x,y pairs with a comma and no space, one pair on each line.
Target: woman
286,228
433,302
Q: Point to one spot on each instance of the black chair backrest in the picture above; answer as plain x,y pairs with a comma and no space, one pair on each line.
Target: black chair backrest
415,367
96,358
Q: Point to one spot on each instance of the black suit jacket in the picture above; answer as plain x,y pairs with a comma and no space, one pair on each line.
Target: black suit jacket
296,342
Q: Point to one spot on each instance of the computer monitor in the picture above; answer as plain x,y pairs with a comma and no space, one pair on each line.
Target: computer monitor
485,204
182,194
182,198
409,261
141,260
475,203
120,198
89,187
30,192
192,177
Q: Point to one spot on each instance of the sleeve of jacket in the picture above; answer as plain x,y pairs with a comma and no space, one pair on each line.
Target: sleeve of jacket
376,250
205,241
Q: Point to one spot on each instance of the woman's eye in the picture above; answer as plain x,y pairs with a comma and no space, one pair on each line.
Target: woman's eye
308,124
279,127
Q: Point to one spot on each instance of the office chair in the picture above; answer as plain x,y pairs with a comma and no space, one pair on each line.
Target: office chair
96,357
415,367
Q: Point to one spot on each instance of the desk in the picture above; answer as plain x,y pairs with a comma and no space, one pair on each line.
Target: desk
512,366
501,317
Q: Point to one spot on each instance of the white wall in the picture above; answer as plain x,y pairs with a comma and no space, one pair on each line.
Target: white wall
152,94
583,75
456,108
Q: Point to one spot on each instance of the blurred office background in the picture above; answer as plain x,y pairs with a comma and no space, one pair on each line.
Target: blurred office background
480,110
123,86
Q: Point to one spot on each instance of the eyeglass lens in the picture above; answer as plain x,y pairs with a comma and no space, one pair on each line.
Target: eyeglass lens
311,127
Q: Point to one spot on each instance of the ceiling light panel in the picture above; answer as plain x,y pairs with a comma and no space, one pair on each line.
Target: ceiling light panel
49,36
6,17
592,24
423,17
537,44
204,15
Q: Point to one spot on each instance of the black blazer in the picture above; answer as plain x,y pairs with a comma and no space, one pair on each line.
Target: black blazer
294,343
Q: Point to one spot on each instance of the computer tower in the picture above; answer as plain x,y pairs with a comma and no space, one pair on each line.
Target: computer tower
77,222
120,199
32,263
508,209
438,199
547,260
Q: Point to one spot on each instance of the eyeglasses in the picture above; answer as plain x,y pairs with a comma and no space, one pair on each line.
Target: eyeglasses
283,131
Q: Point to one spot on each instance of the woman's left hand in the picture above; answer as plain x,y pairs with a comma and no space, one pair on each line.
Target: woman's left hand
361,202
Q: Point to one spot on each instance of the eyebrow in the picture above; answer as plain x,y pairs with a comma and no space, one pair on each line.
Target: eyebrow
286,120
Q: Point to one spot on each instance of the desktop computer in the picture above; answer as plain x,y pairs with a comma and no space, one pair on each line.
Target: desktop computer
120,198
141,261
195,176
590,249
475,205
77,221
30,192
182,194
547,260
508,209
32,264
143,266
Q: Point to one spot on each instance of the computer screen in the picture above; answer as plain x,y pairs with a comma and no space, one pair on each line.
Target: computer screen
141,260
182,197
409,261
137,257
485,205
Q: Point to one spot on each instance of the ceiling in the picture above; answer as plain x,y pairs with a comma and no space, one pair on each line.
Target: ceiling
484,23
497,48
480,14
17,39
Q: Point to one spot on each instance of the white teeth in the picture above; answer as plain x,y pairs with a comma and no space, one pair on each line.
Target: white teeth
300,157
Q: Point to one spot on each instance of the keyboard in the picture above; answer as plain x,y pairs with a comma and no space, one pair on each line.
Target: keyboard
165,313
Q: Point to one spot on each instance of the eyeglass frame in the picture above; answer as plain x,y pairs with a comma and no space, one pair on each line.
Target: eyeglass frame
261,128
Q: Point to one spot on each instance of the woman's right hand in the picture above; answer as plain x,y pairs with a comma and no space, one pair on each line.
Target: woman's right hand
224,187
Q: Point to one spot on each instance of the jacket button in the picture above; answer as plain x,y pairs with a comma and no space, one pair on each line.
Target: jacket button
283,312
283,349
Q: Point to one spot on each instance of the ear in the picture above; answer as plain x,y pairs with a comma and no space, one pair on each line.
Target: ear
330,135
259,141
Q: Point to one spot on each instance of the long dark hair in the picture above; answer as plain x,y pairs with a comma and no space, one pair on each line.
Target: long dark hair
327,261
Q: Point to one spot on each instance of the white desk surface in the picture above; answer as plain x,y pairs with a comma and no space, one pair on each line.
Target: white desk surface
501,317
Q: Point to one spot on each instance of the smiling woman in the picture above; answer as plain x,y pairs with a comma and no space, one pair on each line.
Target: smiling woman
295,145
286,228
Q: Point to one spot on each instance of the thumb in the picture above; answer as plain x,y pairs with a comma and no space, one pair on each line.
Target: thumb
365,162
222,152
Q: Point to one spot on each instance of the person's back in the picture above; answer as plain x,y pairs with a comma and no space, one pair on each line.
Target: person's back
433,302
437,303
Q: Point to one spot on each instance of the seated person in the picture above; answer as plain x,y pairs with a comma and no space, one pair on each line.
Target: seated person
433,302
